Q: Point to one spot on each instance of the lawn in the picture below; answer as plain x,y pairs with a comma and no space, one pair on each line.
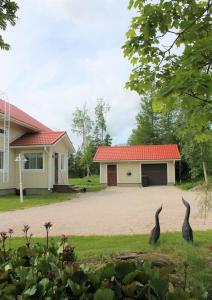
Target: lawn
197,255
92,183
12,202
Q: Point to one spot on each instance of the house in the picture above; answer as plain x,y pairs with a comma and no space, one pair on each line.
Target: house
136,165
44,152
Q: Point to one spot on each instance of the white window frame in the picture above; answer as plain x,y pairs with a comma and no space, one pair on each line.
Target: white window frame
33,170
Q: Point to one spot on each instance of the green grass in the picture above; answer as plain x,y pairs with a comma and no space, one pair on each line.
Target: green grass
12,202
198,255
93,185
170,243
196,183
187,185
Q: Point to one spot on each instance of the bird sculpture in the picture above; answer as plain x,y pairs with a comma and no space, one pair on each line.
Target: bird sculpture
186,228
155,233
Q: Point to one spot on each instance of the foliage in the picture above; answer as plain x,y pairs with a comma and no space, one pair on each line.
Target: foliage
75,167
205,200
8,11
12,202
100,123
82,124
178,78
153,127
194,154
100,248
37,272
187,185
94,134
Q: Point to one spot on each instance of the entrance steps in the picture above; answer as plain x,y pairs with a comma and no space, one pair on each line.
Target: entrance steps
68,188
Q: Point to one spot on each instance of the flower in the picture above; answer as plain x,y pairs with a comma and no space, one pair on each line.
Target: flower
48,225
10,231
3,235
64,238
26,228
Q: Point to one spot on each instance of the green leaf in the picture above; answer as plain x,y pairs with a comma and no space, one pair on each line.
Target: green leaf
104,294
160,287
31,291
123,268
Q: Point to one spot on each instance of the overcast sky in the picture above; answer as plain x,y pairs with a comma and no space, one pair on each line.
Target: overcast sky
65,53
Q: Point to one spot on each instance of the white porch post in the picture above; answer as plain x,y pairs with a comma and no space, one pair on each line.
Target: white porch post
50,169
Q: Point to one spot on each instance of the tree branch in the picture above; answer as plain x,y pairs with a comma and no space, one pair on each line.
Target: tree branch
182,32
199,98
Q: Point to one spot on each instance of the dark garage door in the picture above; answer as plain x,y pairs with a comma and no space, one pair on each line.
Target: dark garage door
156,174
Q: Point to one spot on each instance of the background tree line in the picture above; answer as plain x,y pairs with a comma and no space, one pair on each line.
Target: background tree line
153,127
93,133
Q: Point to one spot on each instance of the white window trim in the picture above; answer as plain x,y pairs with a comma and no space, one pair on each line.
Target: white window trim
33,170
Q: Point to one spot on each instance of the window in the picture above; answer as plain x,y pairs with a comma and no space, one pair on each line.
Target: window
1,160
34,161
62,162
2,131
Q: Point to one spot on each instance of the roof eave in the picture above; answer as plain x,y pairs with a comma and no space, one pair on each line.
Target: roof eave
23,124
136,160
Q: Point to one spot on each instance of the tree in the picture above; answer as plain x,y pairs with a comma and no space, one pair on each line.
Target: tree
100,128
8,11
107,140
153,127
178,79
82,124
146,131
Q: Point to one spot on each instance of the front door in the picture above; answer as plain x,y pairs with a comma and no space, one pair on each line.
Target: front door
56,168
112,175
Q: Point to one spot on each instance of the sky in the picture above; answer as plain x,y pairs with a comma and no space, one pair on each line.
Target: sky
65,53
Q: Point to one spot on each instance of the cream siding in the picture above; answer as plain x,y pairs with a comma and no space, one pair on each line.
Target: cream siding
125,167
103,173
171,172
136,172
32,178
15,132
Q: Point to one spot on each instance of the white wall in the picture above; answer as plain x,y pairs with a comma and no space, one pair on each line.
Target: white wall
135,168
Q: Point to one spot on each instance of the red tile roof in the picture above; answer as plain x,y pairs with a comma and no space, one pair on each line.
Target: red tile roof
40,138
19,115
143,152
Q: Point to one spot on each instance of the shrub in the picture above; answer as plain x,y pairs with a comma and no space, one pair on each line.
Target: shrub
36,273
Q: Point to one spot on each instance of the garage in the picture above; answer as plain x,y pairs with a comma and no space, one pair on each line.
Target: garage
154,174
139,165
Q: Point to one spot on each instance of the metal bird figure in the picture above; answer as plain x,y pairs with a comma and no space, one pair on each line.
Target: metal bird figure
186,228
155,233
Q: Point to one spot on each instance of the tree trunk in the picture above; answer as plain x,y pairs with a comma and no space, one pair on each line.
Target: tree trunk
205,172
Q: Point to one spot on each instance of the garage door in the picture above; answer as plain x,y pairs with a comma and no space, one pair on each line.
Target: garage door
155,174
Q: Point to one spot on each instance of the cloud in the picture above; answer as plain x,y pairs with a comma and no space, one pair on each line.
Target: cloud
65,53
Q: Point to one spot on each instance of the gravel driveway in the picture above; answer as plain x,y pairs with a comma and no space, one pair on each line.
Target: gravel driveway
116,210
